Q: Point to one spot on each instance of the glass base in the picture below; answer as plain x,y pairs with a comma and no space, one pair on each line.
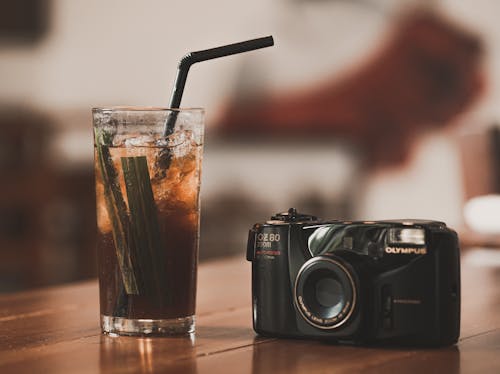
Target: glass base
147,327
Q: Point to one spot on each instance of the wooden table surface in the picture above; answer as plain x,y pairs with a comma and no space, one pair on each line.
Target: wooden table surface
56,330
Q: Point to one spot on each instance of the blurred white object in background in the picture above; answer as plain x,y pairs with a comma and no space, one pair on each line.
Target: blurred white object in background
482,257
482,214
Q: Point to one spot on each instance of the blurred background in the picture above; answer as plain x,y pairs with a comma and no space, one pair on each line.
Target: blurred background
364,109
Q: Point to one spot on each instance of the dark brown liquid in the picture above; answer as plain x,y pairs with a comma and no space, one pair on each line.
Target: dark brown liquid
180,237
173,263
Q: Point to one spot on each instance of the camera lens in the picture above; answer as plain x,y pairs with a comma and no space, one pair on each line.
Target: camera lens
329,294
325,292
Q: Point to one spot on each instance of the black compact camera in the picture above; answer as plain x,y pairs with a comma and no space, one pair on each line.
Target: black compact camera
394,282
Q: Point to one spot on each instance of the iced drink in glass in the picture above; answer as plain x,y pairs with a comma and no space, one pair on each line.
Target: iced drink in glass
147,188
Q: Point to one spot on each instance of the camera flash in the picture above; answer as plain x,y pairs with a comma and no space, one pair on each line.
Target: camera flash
407,236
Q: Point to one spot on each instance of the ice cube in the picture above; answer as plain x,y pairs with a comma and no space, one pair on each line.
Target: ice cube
178,138
141,141
119,140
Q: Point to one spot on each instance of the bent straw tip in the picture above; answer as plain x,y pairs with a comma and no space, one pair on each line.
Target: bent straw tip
270,40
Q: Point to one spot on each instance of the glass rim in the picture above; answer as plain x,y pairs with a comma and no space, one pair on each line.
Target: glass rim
132,108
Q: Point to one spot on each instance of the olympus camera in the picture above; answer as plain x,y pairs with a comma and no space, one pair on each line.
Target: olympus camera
396,282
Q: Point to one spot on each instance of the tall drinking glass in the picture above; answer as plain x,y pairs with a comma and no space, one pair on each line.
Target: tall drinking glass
147,188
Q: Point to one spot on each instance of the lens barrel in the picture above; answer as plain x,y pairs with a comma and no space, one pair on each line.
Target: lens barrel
325,292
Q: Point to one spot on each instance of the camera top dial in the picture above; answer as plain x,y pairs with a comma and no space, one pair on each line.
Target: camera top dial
291,216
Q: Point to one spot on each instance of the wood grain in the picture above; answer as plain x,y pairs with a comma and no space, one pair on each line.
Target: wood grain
56,330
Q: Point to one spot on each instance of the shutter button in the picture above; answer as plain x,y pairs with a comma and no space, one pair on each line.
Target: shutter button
293,216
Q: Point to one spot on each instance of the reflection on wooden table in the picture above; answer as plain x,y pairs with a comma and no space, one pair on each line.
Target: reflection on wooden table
56,330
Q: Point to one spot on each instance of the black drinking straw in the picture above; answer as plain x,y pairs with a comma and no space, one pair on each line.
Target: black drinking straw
198,56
